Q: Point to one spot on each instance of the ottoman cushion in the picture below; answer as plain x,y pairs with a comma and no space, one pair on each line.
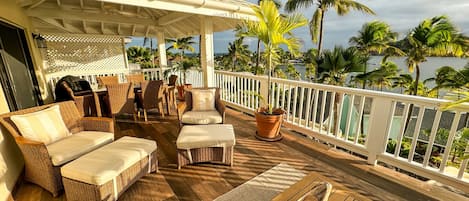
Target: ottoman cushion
202,117
76,145
107,162
200,136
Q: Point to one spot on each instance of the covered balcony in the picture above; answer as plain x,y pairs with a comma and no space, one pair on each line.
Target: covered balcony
357,140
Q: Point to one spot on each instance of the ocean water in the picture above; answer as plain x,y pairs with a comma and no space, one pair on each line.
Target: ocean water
427,69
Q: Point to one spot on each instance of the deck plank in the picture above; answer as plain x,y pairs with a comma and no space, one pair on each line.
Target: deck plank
348,174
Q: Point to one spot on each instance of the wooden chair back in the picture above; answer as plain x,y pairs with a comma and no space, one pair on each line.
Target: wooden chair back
152,94
172,80
107,80
121,98
135,78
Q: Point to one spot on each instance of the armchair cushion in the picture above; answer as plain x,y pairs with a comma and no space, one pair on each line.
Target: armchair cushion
203,99
45,126
202,117
76,145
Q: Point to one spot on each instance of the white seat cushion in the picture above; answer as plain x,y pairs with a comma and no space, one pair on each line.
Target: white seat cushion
202,117
45,126
218,135
203,99
107,162
76,145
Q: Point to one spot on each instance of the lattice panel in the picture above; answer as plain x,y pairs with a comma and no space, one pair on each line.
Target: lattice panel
83,53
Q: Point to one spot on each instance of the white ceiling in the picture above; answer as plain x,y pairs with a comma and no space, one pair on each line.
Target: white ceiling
176,18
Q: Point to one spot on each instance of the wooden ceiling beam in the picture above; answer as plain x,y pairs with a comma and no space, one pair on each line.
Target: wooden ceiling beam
36,4
85,30
172,18
87,16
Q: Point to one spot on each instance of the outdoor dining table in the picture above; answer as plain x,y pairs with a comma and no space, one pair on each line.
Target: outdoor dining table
104,110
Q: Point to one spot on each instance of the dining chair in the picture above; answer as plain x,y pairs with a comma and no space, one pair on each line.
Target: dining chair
107,80
152,97
135,78
121,99
172,89
86,103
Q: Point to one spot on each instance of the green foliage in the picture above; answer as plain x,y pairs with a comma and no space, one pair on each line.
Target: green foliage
376,37
181,44
147,65
342,7
238,55
436,36
334,66
137,54
273,30
292,72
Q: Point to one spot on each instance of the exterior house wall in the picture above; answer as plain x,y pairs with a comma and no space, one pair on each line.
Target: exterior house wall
11,159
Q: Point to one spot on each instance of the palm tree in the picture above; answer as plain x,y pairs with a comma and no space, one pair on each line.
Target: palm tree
278,4
375,37
137,54
238,52
342,7
433,37
446,77
334,66
309,58
274,30
383,76
403,81
292,72
181,44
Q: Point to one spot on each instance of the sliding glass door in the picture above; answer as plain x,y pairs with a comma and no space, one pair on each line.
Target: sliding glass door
16,70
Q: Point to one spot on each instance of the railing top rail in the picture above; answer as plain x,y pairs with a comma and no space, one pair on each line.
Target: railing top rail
429,102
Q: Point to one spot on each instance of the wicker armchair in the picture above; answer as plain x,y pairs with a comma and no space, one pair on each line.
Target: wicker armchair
187,116
39,168
152,97
121,99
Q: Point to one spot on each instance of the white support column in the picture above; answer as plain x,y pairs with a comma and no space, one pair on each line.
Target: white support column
381,115
162,52
207,56
124,51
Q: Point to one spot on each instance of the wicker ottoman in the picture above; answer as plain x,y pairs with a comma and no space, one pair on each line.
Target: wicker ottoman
206,143
107,172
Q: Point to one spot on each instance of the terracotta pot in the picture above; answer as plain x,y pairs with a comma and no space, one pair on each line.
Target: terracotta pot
268,125
182,89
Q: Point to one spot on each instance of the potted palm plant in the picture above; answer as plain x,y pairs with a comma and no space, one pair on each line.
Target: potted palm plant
273,30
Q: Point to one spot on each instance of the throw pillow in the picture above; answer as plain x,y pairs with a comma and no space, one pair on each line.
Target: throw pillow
203,99
45,126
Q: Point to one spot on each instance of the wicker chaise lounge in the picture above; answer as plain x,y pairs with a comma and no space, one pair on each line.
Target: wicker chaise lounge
43,161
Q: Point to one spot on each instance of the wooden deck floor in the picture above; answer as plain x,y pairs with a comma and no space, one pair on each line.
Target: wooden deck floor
252,157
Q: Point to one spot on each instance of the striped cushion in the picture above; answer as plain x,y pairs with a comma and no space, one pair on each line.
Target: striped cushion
203,99
45,126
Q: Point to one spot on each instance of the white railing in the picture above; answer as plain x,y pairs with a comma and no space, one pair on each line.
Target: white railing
370,123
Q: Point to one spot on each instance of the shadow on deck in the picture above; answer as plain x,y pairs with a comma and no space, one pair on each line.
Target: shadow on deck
349,175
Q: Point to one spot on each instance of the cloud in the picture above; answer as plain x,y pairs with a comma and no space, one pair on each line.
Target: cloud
402,15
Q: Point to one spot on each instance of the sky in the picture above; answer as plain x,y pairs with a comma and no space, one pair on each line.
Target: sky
401,15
